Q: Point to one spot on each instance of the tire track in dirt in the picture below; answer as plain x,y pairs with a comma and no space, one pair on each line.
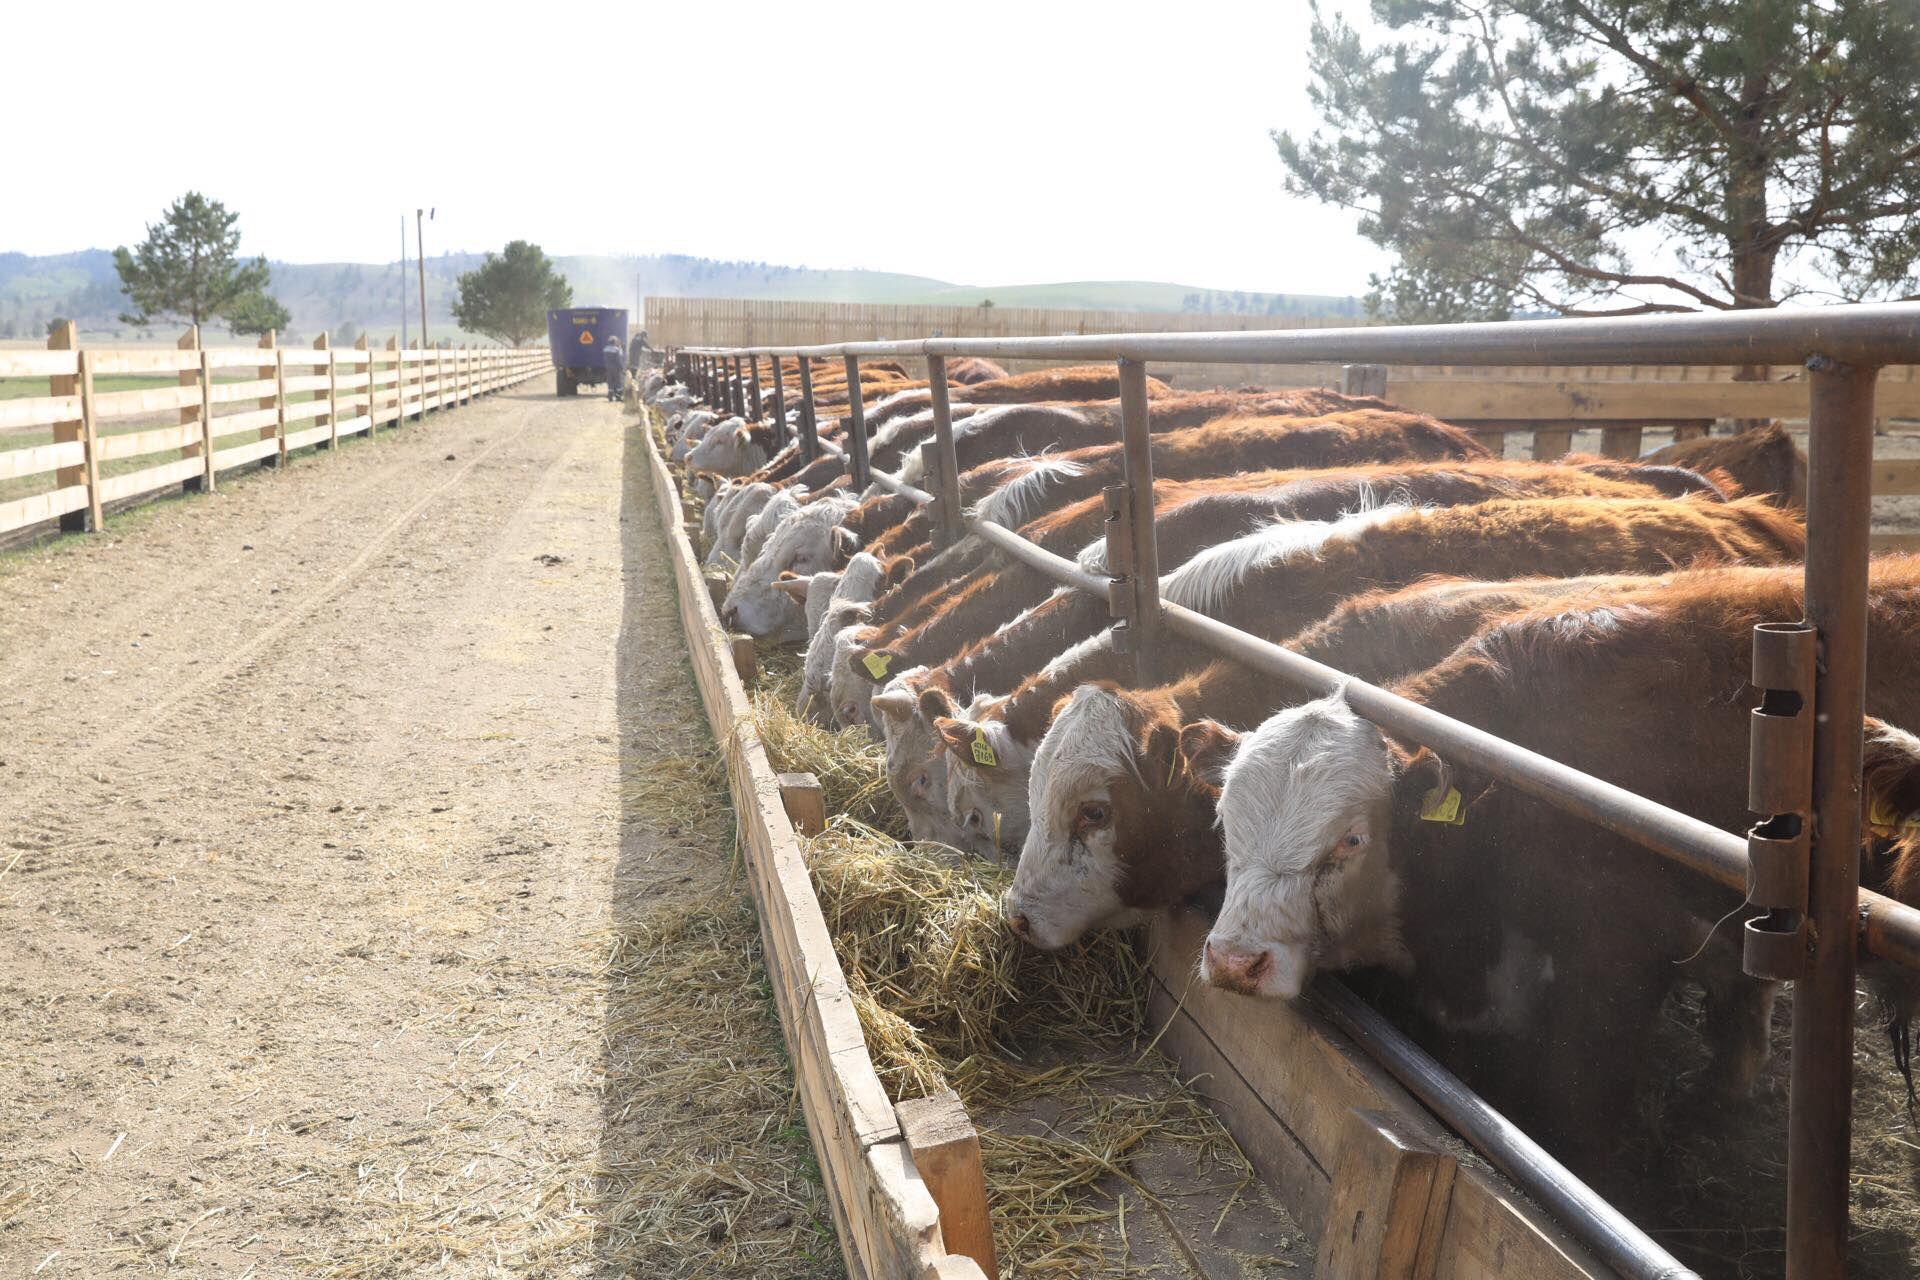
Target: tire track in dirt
141,734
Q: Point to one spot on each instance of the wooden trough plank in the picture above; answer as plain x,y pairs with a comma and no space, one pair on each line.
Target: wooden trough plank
1390,1201
887,1221
1284,1081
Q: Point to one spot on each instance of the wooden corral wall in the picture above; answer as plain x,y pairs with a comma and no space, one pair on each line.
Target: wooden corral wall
1371,1175
110,446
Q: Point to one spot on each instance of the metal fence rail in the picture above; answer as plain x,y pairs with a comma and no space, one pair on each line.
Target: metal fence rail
1817,914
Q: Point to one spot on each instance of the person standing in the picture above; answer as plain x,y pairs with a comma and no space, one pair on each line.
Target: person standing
614,357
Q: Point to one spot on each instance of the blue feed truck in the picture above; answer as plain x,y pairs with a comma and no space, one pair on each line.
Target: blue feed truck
577,336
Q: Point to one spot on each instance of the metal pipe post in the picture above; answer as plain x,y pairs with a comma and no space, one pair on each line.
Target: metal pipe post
1820,1109
753,374
739,389
858,466
779,404
946,472
1137,449
809,430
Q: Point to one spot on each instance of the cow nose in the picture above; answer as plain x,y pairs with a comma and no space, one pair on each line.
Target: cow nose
1021,929
1236,970
730,618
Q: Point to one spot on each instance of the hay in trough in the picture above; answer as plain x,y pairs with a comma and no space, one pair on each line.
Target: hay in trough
1043,1048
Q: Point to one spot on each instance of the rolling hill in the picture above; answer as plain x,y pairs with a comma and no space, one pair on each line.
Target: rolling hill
369,296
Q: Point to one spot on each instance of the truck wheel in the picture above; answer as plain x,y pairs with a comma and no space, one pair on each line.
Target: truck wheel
563,384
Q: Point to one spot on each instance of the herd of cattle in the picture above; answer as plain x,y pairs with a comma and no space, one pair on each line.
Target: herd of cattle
1597,611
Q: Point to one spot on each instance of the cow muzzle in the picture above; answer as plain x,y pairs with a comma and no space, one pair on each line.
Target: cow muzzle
1273,971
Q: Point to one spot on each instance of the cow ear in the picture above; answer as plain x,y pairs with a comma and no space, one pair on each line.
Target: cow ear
794,585
957,736
1890,779
935,704
874,664
1206,746
743,434
898,570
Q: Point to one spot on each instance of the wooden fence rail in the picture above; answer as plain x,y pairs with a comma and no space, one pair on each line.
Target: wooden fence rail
109,446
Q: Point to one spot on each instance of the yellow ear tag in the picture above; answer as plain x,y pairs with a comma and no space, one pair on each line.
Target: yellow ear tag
1885,819
1448,808
983,750
876,664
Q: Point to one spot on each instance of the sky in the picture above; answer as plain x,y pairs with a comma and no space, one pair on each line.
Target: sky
990,143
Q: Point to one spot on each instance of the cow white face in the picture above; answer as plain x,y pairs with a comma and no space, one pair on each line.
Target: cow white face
917,765
803,543
815,704
728,449
1068,880
1304,805
742,505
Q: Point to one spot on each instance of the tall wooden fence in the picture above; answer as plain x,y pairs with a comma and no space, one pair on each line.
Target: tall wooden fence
191,413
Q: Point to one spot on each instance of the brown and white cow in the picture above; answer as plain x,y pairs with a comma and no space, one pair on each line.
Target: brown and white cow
1534,949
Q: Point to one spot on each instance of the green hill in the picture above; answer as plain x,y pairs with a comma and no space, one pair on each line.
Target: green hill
369,297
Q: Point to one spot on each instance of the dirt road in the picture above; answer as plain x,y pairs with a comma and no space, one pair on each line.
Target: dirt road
366,908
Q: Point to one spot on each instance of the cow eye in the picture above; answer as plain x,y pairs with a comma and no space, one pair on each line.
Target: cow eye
920,785
972,820
1094,813
1352,842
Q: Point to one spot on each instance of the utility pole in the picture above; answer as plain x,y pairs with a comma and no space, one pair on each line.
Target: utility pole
420,244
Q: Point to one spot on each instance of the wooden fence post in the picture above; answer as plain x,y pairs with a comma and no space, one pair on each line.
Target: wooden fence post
207,481
361,344
393,345
1363,380
325,343
277,400
95,516
946,1155
66,337
1550,443
190,341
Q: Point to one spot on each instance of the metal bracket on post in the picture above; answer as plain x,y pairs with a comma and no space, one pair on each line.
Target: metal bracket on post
858,467
1117,501
1780,787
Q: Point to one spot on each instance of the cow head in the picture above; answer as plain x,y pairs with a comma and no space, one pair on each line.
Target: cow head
916,764
802,543
729,449
815,700
1305,804
1117,827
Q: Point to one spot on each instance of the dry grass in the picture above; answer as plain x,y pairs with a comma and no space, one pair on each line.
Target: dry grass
947,997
